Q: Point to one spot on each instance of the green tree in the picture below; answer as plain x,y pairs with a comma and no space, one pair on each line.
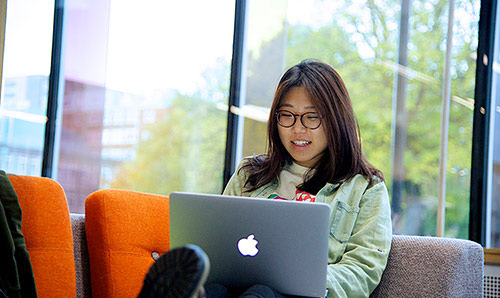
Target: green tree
184,151
361,46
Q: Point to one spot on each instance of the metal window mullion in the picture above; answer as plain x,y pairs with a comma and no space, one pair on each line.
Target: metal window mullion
53,93
481,125
445,120
398,126
237,91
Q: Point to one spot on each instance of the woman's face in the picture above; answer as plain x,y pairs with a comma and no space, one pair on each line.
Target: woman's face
305,145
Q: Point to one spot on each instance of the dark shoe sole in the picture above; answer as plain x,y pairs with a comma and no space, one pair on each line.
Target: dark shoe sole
180,272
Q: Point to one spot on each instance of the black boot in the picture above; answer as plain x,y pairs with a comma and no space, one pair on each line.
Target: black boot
178,273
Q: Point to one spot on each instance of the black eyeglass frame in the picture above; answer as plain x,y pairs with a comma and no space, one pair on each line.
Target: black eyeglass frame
295,119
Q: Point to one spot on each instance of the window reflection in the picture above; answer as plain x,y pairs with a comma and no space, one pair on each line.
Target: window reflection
493,202
361,41
28,42
142,88
144,101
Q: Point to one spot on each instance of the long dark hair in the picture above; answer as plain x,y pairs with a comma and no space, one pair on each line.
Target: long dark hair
344,157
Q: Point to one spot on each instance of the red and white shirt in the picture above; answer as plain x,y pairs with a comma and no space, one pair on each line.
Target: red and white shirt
290,177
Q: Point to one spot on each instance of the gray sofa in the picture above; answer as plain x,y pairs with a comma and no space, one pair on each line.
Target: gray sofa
417,267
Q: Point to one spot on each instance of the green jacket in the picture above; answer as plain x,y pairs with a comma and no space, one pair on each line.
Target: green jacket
360,231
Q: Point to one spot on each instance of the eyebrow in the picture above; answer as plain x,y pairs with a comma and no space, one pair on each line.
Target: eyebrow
291,106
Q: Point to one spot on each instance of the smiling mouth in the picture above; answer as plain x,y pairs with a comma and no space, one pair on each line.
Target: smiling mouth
301,143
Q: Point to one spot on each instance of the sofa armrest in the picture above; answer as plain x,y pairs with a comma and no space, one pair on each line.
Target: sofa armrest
82,267
432,267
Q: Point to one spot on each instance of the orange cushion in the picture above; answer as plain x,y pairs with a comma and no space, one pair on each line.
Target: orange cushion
123,229
46,228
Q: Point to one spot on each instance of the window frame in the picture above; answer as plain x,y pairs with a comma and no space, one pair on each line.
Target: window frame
55,88
481,121
236,91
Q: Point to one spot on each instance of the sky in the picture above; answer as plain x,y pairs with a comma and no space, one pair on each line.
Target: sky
163,44
166,44
153,46
29,55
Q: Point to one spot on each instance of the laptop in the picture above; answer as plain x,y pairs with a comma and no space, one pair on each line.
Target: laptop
249,241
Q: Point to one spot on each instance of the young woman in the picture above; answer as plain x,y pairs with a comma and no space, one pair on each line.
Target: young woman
314,154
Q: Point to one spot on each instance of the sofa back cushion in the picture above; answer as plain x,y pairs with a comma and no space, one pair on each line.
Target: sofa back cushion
125,230
46,228
421,266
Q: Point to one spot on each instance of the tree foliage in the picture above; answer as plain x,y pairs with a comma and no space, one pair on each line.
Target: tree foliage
185,150
370,81
361,43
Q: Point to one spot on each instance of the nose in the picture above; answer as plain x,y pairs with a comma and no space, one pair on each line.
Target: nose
298,127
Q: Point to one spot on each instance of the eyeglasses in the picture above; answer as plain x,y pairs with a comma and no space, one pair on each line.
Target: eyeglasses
311,120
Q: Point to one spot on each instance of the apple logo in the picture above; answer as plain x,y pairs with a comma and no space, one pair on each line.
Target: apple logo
248,246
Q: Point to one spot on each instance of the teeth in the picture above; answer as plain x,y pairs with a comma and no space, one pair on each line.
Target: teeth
301,143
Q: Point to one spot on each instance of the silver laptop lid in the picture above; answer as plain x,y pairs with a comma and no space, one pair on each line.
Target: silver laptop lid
249,241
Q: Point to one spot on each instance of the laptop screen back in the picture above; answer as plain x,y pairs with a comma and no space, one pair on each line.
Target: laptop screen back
249,241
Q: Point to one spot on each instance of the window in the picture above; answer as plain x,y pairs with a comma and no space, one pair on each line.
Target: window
146,87
142,88
363,40
26,68
493,204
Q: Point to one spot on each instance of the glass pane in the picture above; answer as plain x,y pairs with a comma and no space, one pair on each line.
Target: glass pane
361,40
463,77
145,101
493,206
266,47
26,69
